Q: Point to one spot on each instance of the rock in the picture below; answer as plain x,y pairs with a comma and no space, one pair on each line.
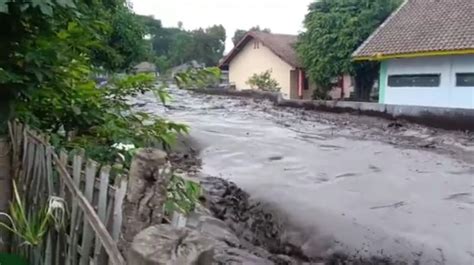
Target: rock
146,193
166,245
214,228
235,256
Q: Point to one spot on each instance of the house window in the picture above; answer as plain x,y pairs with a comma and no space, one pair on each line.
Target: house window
465,79
420,80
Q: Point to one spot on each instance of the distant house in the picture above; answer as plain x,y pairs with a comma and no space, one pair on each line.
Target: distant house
145,67
186,66
426,49
258,52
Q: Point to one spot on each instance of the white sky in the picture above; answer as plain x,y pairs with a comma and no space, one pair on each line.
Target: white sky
281,16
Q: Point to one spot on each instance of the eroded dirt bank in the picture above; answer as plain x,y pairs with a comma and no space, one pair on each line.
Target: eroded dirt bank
352,184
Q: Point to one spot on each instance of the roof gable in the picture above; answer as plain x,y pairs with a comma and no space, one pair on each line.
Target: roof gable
423,26
281,45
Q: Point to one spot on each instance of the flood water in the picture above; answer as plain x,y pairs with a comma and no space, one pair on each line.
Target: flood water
339,193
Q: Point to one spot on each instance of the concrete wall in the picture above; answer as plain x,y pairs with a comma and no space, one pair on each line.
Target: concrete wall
447,118
252,60
446,95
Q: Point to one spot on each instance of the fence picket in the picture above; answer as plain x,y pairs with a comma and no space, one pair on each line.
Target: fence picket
31,168
63,160
102,208
87,233
48,259
117,217
40,173
106,240
49,172
76,174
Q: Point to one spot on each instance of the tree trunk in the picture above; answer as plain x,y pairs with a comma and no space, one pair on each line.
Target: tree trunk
5,188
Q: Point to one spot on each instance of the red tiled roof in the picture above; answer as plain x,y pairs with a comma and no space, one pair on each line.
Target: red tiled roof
281,45
423,26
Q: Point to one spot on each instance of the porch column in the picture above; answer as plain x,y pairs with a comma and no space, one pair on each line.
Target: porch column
300,83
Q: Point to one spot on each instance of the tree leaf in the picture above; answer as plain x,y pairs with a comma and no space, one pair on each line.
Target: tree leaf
46,9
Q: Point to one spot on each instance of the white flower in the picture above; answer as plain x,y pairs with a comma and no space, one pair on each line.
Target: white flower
125,147
57,211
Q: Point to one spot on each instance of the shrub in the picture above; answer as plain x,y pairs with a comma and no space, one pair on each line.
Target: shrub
264,82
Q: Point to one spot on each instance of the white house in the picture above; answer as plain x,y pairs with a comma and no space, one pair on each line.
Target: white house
426,50
258,52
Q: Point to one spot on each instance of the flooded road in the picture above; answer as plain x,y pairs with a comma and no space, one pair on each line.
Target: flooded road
361,189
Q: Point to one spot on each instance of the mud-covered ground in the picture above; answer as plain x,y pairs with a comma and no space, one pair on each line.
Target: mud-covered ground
343,183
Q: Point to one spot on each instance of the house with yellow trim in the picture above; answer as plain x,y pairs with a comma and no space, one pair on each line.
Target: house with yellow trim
426,50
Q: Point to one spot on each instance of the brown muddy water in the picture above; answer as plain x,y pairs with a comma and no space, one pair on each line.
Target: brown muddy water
343,183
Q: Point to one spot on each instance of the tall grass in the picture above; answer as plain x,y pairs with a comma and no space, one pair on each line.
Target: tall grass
29,231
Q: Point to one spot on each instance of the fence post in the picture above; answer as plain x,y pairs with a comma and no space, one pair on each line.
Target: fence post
5,188
149,176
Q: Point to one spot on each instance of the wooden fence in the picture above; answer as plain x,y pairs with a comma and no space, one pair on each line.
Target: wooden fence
92,196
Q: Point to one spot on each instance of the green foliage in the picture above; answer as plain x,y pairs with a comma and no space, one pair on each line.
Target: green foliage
50,45
175,46
264,82
198,78
95,119
334,29
240,33
183,195
29,230
12,259
47,62
126,39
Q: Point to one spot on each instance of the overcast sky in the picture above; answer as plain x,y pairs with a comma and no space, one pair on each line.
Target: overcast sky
281,16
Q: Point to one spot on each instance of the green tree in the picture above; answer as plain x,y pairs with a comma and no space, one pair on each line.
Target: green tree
209,44
334,29
181,50
240,33
174,46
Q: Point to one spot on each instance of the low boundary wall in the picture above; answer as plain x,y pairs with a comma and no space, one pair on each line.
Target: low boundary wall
446,118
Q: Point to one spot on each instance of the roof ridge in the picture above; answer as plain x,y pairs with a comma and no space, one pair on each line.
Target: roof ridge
282,45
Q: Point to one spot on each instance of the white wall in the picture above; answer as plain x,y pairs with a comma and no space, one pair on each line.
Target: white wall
446,95
251,61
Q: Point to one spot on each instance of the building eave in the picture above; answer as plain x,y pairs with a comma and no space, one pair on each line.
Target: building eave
382,57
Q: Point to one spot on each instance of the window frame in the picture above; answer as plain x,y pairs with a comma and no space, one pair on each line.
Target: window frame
426,75
458,79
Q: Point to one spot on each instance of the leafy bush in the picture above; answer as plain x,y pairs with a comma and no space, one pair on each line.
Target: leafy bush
321,93
97,118
198,78
264,82
183,195
48,45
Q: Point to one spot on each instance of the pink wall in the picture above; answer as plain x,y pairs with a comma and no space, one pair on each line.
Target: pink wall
348,85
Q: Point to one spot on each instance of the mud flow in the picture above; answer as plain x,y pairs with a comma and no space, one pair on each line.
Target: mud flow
345,183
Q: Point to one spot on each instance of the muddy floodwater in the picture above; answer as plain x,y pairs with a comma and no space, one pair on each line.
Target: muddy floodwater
359,185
